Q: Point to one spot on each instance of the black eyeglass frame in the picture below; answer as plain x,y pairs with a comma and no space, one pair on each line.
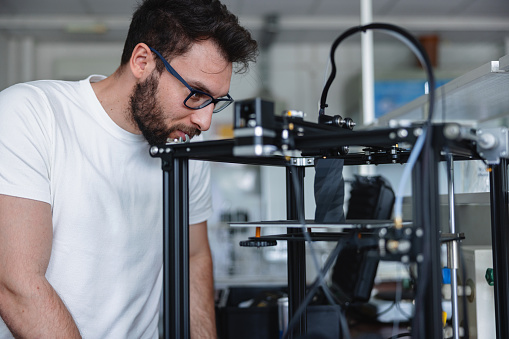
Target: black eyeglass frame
226,101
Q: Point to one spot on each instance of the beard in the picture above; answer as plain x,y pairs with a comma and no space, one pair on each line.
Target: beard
147,113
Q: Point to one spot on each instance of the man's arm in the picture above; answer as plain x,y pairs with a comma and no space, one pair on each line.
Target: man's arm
28,303
203,323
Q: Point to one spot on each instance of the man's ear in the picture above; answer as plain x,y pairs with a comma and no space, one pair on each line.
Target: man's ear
142,61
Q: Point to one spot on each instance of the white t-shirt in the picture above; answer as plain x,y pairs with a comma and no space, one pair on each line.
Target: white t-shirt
58,145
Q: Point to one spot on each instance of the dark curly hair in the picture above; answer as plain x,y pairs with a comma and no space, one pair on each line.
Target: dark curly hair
172,26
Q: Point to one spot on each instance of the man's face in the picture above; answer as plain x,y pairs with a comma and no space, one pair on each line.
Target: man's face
157,103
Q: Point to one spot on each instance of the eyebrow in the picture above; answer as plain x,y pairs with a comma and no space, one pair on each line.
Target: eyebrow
202,87
199,86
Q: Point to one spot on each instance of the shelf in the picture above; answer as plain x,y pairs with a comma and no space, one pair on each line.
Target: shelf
478,97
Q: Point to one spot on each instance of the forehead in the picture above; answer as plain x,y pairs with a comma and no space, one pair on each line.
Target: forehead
203,63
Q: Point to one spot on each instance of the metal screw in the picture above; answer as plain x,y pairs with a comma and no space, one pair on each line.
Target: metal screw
154,150
402,133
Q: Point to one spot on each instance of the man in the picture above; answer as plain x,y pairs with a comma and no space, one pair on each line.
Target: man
80,197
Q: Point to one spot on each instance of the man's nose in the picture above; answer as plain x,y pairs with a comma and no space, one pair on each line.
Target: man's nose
202,117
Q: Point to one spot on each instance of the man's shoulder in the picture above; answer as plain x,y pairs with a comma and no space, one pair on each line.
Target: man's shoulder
40,100
37,89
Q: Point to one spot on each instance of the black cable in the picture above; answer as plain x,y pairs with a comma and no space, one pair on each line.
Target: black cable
386,310
302,221
342,37
407,316
314,288
424,184
344,324
319,281
400,33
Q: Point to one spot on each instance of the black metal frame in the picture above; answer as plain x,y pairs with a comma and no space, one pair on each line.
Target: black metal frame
500,244
296,250
176,323
427,319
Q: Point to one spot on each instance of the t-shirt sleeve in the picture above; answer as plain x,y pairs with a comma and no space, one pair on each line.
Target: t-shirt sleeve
24,143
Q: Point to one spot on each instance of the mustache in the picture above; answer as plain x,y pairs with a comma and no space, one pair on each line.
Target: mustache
190,131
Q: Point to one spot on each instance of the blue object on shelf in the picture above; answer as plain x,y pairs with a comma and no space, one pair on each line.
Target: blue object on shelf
446,275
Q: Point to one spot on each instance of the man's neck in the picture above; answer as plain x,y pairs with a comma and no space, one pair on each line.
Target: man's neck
114,94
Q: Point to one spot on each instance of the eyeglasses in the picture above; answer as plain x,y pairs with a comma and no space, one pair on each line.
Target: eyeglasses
196,99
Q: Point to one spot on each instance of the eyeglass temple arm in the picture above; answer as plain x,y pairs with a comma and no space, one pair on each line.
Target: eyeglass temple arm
170,69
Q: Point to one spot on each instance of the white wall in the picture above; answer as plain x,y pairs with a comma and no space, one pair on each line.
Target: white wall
55,60
75,61
3,61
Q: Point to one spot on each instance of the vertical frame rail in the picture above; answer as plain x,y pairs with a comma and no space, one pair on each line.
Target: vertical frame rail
296,251
427,321
453,251
500,242
176,324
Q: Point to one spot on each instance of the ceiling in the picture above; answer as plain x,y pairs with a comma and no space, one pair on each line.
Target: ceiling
297,20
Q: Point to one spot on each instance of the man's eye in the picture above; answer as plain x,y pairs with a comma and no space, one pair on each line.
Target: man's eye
199,97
